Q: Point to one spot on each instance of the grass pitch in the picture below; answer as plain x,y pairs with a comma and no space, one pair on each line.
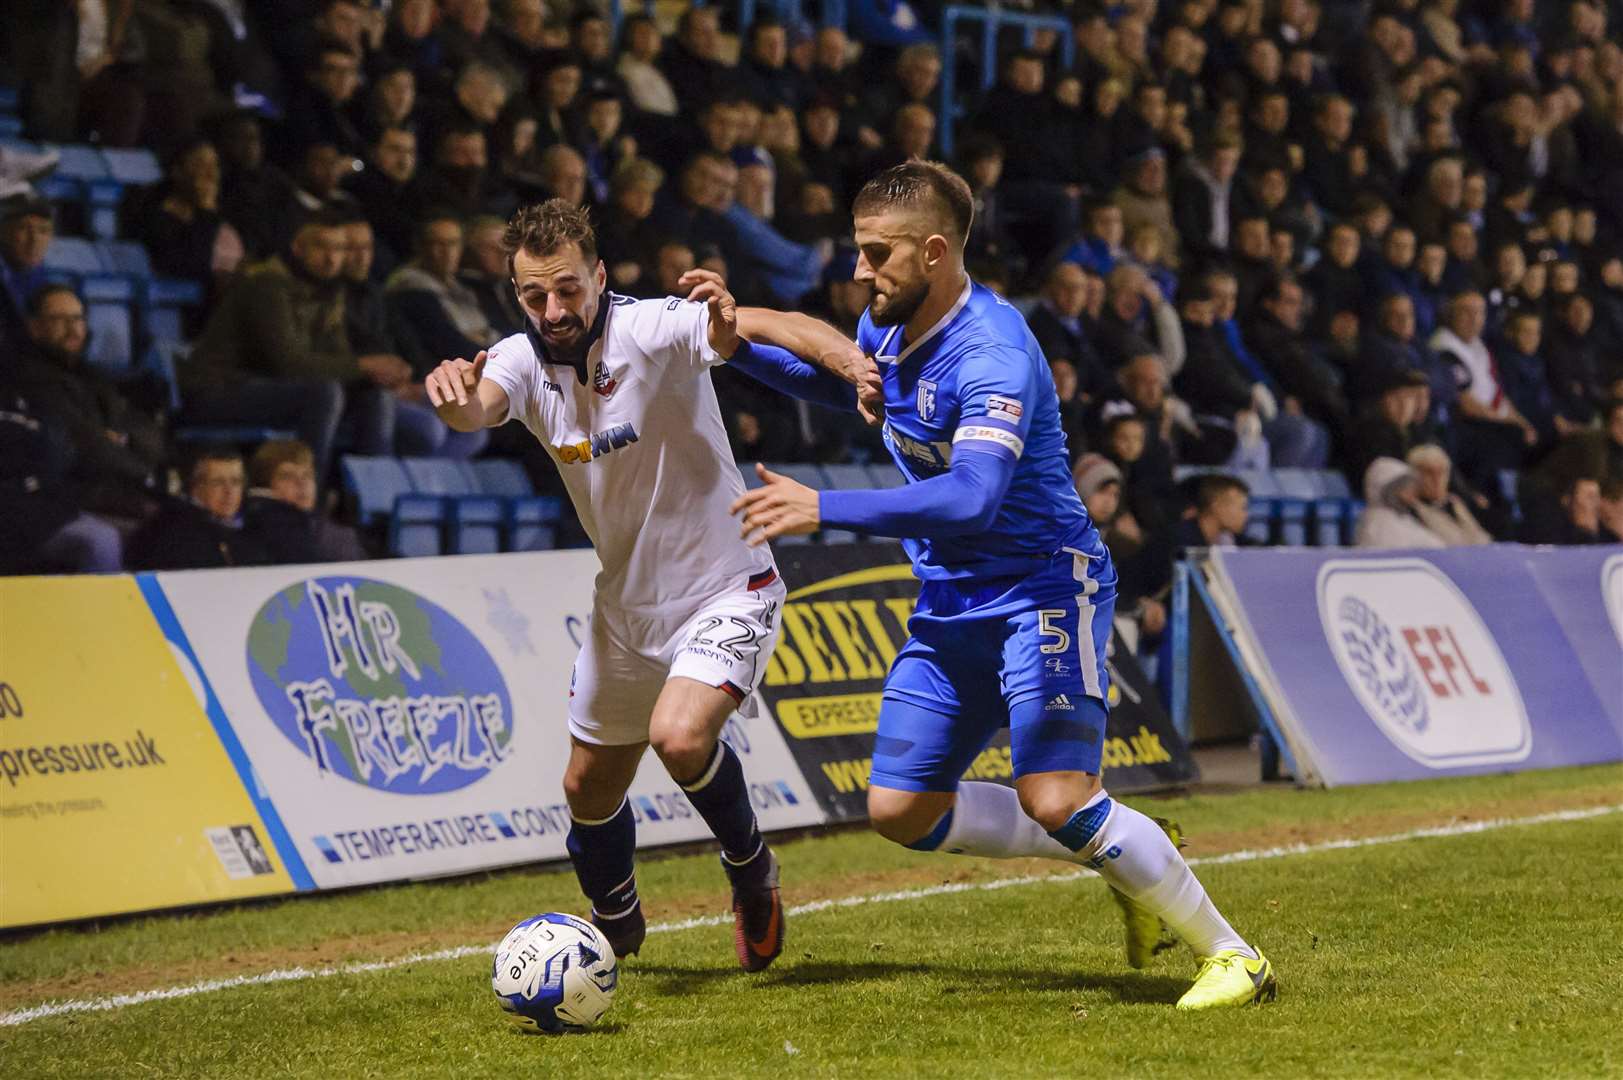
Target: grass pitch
1490,953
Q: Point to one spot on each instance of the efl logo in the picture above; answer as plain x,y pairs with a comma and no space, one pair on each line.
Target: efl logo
1611,591
1422,663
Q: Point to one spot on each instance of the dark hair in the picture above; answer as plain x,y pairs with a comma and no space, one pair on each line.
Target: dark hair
1121,420
272,456
325,46
382,132
1214,486
543,228
208,452
927,185
37,298
433,216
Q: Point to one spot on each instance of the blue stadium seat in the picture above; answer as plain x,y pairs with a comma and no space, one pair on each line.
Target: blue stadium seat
1297,483
126,257
810,475
1328,521
476,524
1264,485
885,474
81,162
135,168
164,324
1260,527
232,436
71,255
533,522
108,302
438,476
376,482
1292,518
417,524
502,476
847,476
1332,484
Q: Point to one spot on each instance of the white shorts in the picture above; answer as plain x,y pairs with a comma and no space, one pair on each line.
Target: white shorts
627,657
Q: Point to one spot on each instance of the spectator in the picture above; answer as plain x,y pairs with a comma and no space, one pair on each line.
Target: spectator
695,212
650,90
1134,307
387,192
117,447
1275,334
274,352
280,510
1526,381
692,64
1573,362
1143,199
484,270
1212,384
563,175
467,34
441,310
1391,423
765,73
1057,324
1392,348
914,81
627,235
1579,520
1491,434
1391,518
1145,251
184,233
461,179
1336,283
989,237
204,529
27,226
602,144
318,111
1221,512
1437,508
391,102
256,197
1610,511
1100,246
44,528
1200,198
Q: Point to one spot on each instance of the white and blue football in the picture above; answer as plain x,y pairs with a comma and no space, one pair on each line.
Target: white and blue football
555,972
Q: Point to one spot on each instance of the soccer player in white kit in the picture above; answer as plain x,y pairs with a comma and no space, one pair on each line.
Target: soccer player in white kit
685,612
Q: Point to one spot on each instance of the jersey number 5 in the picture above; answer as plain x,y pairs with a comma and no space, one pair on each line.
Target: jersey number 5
1048,627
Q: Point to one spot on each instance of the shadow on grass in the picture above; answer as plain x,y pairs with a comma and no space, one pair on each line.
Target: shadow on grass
1126,987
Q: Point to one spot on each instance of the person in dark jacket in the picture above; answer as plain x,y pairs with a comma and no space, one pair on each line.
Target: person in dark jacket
280,510
204,529
1057,322
117,446
1275,336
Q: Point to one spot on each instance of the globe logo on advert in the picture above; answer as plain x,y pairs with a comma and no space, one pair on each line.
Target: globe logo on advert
1421,662
379,686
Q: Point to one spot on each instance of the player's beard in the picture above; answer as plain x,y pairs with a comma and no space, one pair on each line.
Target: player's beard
566,338
900,304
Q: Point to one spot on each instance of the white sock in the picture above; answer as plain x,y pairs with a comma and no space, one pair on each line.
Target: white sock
987,821
1132,853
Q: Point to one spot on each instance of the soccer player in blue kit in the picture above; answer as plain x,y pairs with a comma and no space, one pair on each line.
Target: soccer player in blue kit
1018,590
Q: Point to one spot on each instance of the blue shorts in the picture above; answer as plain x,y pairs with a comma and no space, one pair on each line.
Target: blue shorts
1027,654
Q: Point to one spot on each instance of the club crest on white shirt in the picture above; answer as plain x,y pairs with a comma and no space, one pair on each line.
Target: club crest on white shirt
602,382
926,399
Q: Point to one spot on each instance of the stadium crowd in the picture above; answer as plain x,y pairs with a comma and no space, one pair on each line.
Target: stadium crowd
1382,238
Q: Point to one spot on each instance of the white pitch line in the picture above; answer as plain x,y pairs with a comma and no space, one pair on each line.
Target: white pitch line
299,974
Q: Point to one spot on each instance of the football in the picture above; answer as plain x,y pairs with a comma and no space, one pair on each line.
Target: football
554,972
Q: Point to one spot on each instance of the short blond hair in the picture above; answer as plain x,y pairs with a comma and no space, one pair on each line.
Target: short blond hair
273,455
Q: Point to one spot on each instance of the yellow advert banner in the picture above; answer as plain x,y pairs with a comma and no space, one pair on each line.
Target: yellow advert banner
841,714
115,793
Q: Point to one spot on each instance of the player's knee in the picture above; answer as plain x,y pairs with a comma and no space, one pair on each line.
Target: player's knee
685,751
1051,807
900,816
589,797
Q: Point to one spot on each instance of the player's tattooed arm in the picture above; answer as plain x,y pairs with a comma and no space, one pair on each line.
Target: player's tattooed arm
463,397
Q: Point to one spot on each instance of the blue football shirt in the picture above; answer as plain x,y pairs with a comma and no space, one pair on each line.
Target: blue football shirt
978,379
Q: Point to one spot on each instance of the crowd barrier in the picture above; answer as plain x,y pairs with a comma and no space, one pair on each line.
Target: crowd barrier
1374,666
182,738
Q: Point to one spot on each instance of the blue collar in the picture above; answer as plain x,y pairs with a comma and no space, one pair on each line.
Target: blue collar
538,343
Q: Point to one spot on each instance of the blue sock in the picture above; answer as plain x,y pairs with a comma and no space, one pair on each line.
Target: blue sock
602,852
719,795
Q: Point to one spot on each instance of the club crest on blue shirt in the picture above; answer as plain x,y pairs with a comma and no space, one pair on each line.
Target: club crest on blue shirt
602,381
926,399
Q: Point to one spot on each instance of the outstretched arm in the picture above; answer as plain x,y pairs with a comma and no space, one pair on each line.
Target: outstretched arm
838,373
963,500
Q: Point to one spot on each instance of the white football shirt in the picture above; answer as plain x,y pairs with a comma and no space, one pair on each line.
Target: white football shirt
642,450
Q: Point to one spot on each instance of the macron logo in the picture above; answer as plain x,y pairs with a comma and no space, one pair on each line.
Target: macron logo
1060,704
